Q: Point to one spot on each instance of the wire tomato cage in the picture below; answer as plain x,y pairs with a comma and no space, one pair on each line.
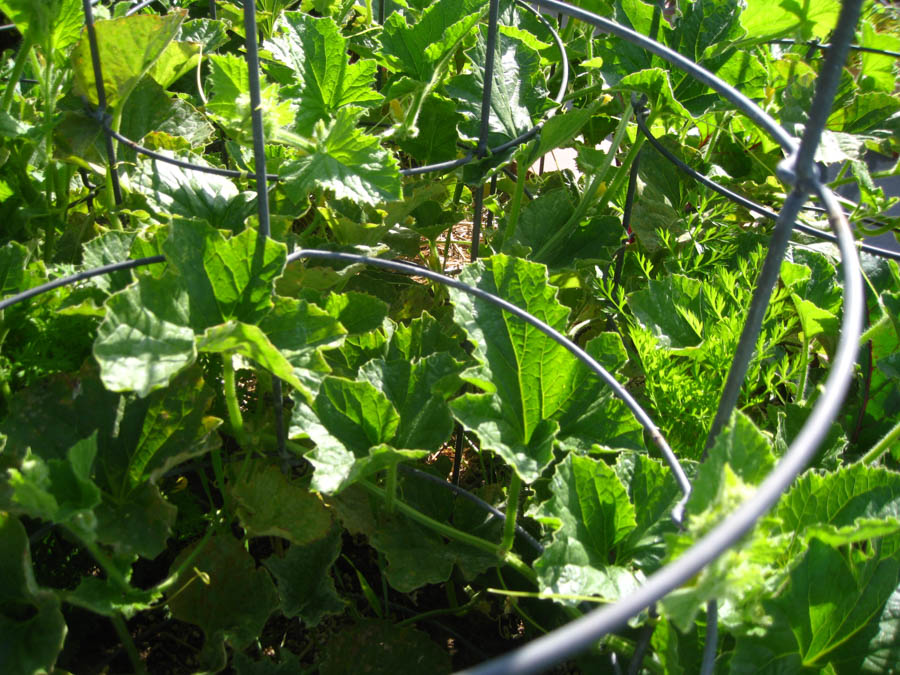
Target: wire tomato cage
797,170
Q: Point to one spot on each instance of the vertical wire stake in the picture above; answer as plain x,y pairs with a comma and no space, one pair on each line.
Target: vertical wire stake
262,191
101,98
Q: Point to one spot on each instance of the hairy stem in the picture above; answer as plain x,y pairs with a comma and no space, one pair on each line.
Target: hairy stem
590,192
130,648
882,446
390,488
452,533
16,74
512,508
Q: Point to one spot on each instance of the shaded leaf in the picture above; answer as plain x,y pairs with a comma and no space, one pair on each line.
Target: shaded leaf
235,604
32,627
145,339
381,647
304,580
268,504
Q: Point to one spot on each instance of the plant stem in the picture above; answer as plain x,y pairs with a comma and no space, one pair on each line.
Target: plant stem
390,488
515,206
512,508
231,402
455,611
591,190
16,74
122,631
804,370
882,446
109,568
452,533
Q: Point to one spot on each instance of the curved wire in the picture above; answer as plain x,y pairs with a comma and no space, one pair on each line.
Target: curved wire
747,203
748,107
549,331
80,276
583,632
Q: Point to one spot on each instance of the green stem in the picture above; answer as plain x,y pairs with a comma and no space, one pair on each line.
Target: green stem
452,533
882,446
231,402
167,583
109,568
585,91
512,508
390,488
804,370
16,74
593,187
455,611
714,137
515,206
122,630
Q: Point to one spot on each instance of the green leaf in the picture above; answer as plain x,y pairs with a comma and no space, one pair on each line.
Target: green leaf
174,428
535,388
814,320
300,331
876,648
268,504
225,278
518,95
590,514
288,664
804,19
879,68
13,260
230,101
653,491
839,501
346,162
420,49
103,597
139,524
109,247
236,603
177,60
437,137
745,449
656,85
194,194
385,649
350,423
317,52
418,390
32,627
830,599
305,585
249,341
60,491
128,49
52,24
653,307
357,312
145,339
